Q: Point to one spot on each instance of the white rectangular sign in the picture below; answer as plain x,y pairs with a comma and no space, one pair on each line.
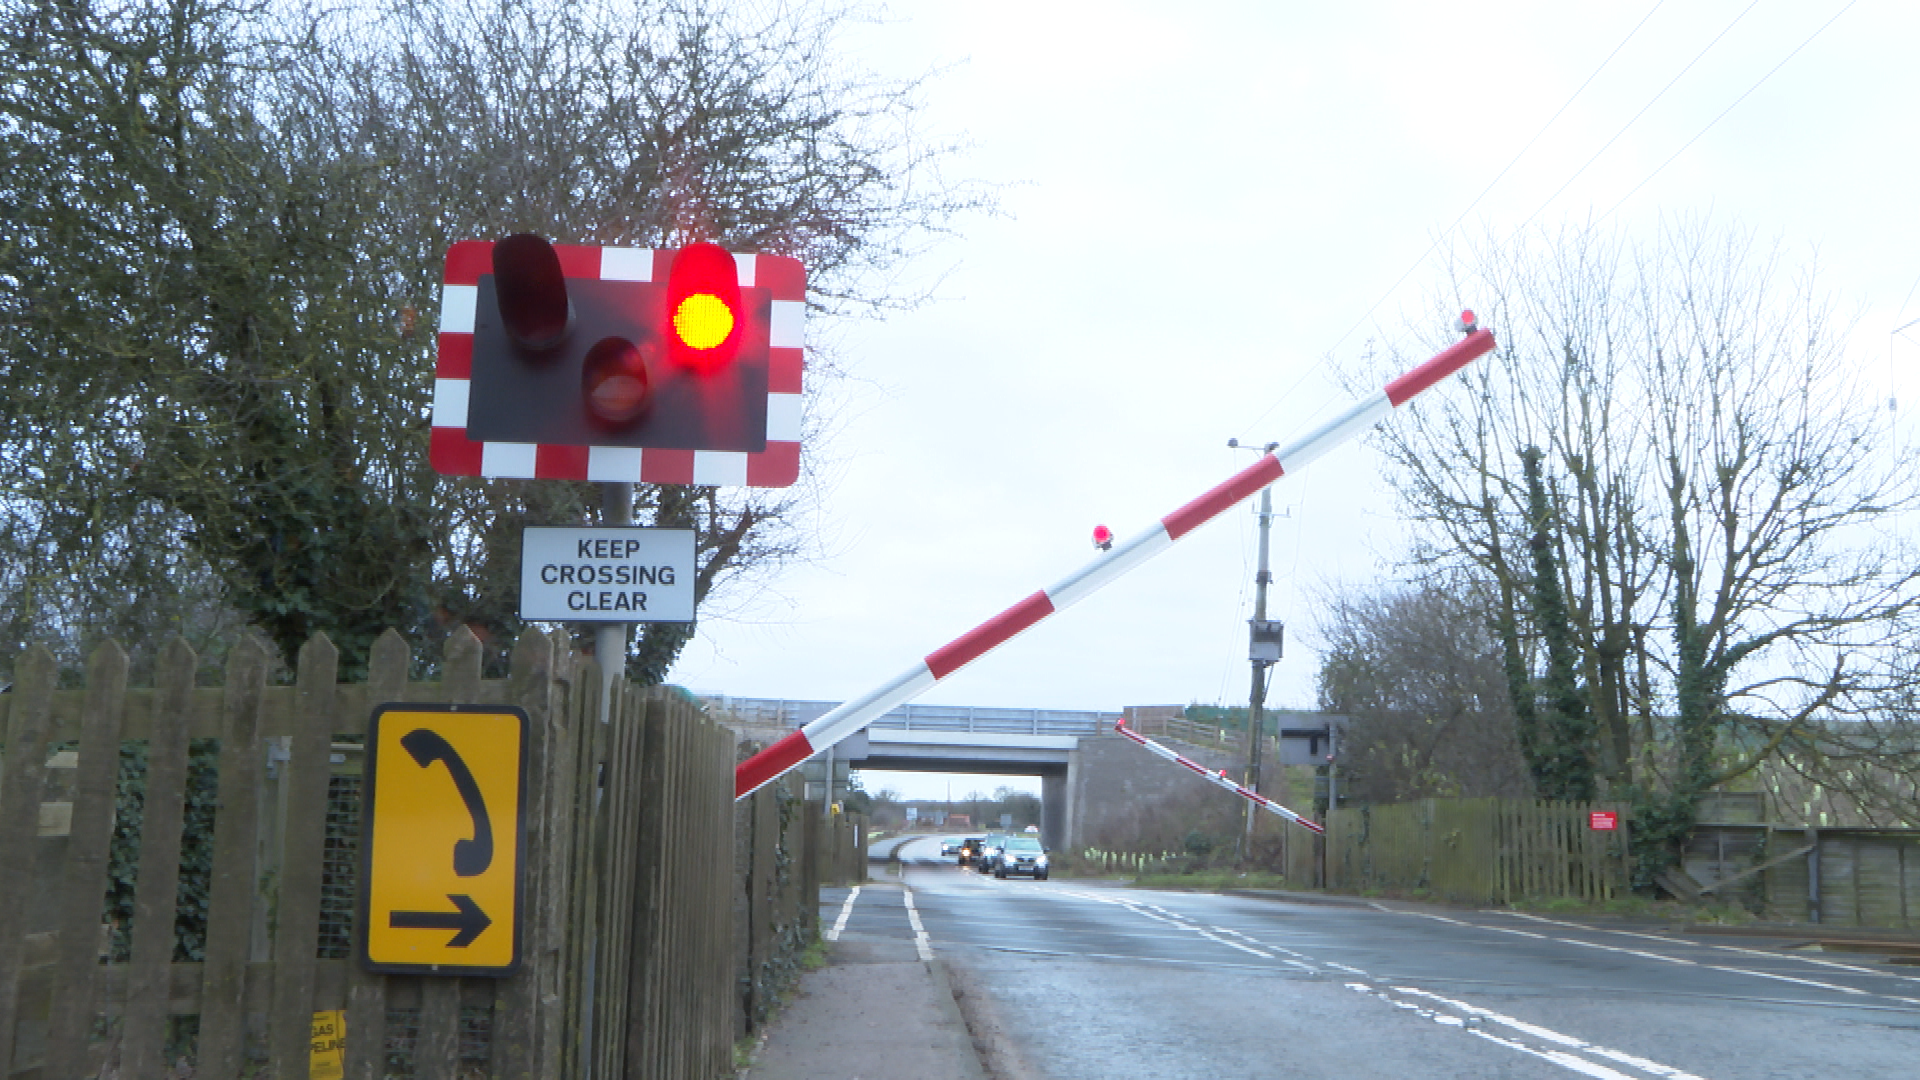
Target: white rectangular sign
612,574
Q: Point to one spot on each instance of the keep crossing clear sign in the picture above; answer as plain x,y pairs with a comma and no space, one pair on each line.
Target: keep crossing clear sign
615,573
441,881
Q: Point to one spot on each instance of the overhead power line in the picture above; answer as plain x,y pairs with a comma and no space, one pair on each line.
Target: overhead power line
1477,199
1636,117
1723,113
1501,175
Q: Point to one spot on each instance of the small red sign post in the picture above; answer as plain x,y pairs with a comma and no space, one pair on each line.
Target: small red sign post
1603,820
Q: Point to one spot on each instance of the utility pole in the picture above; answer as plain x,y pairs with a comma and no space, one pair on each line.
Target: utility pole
1264,643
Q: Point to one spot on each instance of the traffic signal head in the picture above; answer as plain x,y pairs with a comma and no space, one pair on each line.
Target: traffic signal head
568,361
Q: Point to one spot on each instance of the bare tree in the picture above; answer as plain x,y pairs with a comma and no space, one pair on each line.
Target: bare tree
1713,487
652,126
1418,672
230,225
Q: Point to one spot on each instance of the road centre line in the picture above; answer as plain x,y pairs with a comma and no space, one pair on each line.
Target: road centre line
1211,936
846,909
1560,1057
1563,1058
1551,1035
1128,958
1160,914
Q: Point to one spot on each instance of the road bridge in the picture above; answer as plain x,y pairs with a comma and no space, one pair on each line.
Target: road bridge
1085,770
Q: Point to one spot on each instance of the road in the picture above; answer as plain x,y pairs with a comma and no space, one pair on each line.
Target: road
1074,980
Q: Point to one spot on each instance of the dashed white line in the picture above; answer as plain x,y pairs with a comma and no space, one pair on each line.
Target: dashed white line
1211,936
921,943
846,909
1563,1058
1550,1035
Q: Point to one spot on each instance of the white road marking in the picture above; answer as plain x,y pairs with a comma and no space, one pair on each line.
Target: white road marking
1788,978
1550,1035
846,909
1562,1058
1558,1057
1837,965
1211,936
921,942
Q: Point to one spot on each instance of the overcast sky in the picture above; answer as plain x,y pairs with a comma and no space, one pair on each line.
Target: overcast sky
1203,205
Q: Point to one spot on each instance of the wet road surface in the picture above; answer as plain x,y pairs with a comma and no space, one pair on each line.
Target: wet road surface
1076,980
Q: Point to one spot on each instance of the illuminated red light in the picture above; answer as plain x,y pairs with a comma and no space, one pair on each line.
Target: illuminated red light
703,307
1102,537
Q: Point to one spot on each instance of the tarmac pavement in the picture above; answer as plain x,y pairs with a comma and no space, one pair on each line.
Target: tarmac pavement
877,1011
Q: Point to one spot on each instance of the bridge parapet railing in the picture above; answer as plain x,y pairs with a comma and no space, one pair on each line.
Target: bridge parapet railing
774,712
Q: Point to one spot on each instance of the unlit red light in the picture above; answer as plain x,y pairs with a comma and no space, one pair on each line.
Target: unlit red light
616,382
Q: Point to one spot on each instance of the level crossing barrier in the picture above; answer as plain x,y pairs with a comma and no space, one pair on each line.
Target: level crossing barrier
852,716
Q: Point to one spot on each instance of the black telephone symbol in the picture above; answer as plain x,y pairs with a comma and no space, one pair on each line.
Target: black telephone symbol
470,857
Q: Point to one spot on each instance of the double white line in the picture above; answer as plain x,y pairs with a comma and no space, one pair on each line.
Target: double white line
921,943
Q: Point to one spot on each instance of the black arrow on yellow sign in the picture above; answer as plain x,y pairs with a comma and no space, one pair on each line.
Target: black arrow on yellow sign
469,920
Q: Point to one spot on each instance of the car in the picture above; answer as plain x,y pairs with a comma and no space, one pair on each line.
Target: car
949,847
990,846
1021,855
970,849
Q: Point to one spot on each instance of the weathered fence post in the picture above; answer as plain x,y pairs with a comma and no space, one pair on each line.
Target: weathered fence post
29,736
142,1051
230,894
71,1017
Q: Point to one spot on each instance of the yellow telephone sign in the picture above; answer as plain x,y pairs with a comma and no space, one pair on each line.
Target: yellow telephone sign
440,881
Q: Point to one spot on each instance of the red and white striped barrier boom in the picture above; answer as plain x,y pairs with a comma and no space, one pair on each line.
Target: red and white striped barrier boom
1218,778
776,760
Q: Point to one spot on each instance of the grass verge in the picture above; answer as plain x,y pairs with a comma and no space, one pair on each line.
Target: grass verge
1215,880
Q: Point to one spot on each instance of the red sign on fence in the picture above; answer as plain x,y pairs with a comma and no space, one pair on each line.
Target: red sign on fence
1603,820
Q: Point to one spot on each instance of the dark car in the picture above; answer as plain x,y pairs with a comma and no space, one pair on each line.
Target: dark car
990,846
970,849
1021,855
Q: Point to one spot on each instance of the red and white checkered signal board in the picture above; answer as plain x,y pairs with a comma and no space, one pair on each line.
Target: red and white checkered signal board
452,452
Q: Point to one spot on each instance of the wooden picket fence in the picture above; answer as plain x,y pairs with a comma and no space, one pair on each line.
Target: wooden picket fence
658,918
1478,851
